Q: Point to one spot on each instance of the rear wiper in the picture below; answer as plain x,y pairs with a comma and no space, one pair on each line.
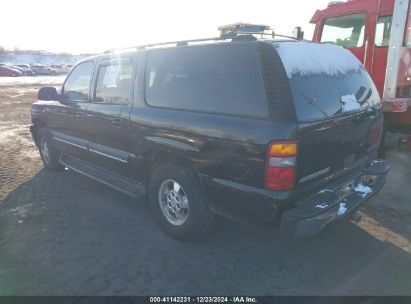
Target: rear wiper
313,101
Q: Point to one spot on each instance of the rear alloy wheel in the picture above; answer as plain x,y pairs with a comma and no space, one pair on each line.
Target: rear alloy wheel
49,154
173,202
178,203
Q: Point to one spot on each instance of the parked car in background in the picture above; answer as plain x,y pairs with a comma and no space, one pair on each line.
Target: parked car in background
25,69
7,70
41,69
283,133
60,68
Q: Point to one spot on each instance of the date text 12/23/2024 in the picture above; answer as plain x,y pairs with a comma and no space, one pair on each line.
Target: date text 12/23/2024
200,299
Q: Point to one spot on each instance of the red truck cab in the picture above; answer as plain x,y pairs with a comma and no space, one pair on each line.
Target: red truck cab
377,32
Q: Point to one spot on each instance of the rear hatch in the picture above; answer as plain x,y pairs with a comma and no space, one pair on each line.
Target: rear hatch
337,107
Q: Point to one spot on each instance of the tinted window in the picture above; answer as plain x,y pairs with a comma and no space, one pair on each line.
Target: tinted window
223,79
77,85
345,31
114,82
322,96
383,31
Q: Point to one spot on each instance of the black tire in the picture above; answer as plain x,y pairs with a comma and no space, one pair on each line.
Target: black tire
50,161
199,217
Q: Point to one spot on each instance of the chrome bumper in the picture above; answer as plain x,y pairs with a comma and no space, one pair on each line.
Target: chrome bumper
313,214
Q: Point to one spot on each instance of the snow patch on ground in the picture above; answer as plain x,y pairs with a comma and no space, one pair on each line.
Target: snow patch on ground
349,103
6,134
32,80
321,206
342,209
363,190
31,154
29,58
22,211
19,133
305,59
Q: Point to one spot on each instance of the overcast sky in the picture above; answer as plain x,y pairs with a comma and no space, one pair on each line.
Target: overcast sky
80,26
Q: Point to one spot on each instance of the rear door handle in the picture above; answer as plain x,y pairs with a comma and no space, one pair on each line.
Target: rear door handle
79,115
116,122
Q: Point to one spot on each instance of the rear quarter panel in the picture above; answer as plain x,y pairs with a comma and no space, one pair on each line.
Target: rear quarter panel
219,146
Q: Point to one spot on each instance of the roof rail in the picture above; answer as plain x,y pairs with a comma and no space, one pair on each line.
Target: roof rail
176,43
233,36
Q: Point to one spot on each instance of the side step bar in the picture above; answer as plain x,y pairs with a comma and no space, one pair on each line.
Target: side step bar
113,180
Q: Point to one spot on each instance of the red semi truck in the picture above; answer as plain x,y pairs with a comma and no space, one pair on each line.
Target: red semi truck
378,33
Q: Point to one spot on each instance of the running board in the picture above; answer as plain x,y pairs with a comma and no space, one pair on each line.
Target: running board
113,180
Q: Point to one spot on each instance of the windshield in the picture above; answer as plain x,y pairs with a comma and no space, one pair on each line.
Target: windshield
345,31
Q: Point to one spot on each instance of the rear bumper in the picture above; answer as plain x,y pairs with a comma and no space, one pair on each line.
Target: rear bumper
313,214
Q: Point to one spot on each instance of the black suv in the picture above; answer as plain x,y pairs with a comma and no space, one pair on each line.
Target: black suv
283,133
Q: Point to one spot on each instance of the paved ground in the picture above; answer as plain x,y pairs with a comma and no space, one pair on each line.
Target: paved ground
63,234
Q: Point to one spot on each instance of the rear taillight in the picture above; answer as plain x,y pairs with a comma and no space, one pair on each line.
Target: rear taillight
280,165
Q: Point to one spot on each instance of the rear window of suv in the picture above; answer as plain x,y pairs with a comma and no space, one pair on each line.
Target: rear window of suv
221,79
326,80
320,96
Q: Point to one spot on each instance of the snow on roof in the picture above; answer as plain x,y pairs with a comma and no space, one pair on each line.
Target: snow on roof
305,58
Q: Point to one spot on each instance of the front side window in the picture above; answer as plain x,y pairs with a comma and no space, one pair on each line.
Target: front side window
77,86
346,31
383,31
221,79
114,82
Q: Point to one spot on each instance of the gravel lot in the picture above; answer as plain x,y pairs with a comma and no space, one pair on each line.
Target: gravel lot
62,234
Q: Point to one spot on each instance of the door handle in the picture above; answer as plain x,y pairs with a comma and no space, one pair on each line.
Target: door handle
116,122
79,115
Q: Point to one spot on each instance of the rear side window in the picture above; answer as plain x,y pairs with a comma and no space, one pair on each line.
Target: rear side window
222,79
114,82
346,31
77,86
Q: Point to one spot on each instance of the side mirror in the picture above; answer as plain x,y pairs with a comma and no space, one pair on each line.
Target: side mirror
48,93
298,32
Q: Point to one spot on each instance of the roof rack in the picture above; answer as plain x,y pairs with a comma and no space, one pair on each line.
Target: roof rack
234,36
176,43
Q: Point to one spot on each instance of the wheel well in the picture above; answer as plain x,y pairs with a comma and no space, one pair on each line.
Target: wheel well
156,158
